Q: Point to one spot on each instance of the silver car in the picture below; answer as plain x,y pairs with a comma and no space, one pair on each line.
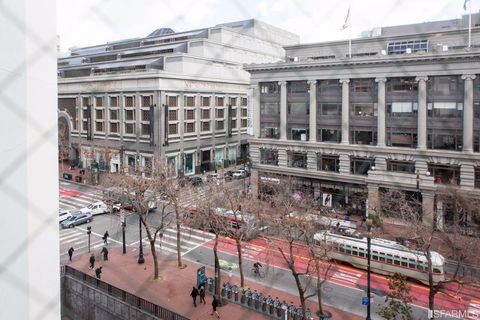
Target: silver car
77,219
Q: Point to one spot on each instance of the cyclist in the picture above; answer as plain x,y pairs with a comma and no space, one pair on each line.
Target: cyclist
256,267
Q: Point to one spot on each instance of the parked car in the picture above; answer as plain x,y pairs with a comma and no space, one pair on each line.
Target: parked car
228,175
95,208
213,177
77,219
195,181
240,173
64,215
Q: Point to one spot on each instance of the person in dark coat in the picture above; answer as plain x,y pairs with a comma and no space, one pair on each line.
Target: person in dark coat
70,253
105,253
201,293
105,237
194,295
98,272
92,261
214,307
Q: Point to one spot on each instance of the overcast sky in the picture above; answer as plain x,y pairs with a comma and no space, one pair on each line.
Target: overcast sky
90,22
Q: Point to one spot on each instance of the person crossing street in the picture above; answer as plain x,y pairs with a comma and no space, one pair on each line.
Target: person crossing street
105,237
92,261
70,253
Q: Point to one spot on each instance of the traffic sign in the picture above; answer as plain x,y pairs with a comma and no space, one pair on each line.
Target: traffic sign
364,301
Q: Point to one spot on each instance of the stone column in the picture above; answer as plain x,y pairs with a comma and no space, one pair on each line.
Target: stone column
439,217
344,164
428,208
283,110
467,175
422,113
381,112
311,160
256,110
313,110
468,113
282,158
345,111
373,199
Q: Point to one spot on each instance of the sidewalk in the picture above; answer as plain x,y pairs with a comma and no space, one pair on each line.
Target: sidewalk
172,290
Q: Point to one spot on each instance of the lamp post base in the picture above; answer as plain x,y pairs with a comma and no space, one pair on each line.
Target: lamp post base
141,260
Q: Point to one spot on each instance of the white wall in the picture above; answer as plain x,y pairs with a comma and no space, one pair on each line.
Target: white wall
29,257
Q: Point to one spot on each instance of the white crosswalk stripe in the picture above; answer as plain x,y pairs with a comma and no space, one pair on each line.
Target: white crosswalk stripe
80,201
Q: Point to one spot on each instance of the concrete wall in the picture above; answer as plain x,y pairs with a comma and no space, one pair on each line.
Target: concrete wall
83,302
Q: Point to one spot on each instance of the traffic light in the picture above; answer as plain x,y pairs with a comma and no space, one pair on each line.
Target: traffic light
89,230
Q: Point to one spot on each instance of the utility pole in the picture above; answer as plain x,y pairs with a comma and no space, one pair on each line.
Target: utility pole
89,231
123,233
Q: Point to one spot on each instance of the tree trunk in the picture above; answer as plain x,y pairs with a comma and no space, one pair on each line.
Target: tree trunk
179,246
319,288
154,257
240,263
217,271
301,290
431,286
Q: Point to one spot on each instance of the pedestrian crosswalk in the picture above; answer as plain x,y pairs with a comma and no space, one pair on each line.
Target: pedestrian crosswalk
191,239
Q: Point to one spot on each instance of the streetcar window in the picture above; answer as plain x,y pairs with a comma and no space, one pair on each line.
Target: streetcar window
411,265
419,267
361,254
374,257
396,262
349,251
435,270
397,257
404,264
341,250
382,259
389,260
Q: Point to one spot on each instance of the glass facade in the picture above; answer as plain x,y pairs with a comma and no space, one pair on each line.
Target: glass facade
189,166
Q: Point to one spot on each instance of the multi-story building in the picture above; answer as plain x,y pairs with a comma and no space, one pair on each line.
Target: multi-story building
400,111
182,95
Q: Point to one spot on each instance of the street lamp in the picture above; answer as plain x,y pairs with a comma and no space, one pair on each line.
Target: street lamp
418,195
124,224
141,260
369,238
89,231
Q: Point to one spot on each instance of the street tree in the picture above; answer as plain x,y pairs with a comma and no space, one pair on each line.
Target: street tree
398,298
140,190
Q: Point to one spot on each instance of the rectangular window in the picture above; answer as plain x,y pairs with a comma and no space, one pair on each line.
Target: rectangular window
99,126
298,108
477,177
445,110
99,114
205,101
401,139
330,109
299,134
147,101
233,124
445,141
113,101
243,102
329,87
297,87
233,101
99,101
114,127
270,133
244,123
363,137
190,101
270,108
328,163
269,88
190,127
269,156
205,113
233,112
444,174
205,125
145,129
400,47
172,101
85,101
219,125
244,112
330,135
189,114
172,115
297,160
129,102
363,85
401,166
219,101
113,114
173,128
220,113
402,85
130,115
402,109
145,114
361,166
129,128
363,110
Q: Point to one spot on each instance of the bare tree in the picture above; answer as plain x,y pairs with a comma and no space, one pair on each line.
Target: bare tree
63,142
141,193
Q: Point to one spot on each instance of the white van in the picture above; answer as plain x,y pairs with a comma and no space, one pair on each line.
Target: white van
95,208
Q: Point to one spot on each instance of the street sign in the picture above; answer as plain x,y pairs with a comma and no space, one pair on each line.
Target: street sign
201,276
364,301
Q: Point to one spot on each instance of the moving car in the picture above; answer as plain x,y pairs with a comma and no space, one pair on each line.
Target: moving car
95,208
195,181
77,219
64,215
240,173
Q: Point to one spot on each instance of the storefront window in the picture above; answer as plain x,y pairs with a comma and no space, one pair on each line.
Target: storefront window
328,163
299,134
361,165
219,156
172,166
401,166
297,160
330,135
189,163
444,174
269,156
232,155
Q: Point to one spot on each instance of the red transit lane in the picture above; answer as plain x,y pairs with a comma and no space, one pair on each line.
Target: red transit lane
455,297
65,192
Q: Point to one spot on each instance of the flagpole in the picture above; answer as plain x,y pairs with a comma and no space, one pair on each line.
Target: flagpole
470,23
350,32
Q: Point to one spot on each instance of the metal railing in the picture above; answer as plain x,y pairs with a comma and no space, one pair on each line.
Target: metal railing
123,295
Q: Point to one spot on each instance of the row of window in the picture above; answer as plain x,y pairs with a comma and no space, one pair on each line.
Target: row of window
436,85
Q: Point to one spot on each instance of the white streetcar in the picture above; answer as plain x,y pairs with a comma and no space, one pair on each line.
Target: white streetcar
387,257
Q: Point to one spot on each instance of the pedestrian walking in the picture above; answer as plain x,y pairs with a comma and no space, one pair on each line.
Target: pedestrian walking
194,295
214,307
98,272
201,293
105,237
105,253
70,253
92,261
